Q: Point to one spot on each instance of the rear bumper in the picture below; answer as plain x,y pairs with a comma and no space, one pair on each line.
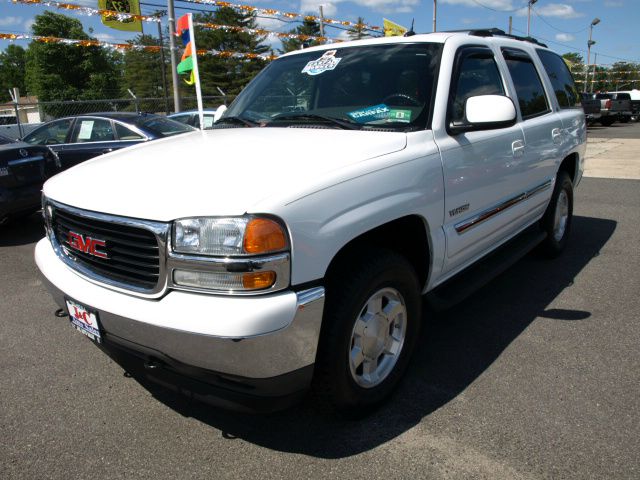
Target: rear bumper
259,347
20,199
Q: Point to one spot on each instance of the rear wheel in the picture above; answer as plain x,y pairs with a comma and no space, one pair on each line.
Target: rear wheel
556,221
370,328
607,122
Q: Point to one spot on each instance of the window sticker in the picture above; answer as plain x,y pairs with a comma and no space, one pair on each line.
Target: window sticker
326,62
208,122
86,127
369,114
397,115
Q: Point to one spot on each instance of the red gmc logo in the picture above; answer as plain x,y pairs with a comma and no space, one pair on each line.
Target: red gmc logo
86,244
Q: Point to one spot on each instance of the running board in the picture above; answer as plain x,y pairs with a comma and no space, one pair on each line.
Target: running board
468,281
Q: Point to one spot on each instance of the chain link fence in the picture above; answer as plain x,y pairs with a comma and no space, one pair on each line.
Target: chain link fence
18,119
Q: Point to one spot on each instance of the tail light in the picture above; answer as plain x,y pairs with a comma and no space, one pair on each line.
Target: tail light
607,104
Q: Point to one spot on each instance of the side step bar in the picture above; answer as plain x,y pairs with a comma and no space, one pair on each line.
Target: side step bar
468,281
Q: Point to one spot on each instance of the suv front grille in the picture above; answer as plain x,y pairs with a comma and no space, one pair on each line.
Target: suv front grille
114,250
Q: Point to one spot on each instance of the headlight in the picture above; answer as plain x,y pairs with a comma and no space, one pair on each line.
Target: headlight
228,236
254,248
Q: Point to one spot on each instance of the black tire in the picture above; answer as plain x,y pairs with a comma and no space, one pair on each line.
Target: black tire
625,119
557,235
607,122
370,273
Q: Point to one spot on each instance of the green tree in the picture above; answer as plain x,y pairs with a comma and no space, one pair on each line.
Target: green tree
228,74
358,31
12,62
309,27
143,69
56,71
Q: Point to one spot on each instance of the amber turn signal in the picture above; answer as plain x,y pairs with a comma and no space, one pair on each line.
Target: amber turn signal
258,280
263,235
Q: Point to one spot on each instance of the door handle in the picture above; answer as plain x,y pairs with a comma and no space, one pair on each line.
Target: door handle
556,135
517,148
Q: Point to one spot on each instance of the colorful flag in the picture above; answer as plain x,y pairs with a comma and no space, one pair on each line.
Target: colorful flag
392,29
121,6
189,61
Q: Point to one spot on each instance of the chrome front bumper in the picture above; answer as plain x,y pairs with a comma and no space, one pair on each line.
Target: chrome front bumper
251,337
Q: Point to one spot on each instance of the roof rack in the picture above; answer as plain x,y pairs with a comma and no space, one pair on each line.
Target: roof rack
496,32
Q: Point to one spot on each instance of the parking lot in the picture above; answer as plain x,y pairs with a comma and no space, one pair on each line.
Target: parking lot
535,376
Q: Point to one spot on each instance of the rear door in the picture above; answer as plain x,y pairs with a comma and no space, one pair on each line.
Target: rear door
92,136
543,129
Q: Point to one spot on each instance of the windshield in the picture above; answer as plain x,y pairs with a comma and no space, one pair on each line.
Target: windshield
364,87
4,140
164,127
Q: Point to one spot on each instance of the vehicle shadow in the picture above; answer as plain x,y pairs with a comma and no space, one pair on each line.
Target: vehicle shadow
22,231
457,347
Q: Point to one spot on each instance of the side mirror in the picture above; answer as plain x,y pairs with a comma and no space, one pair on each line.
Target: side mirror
485,112
219,112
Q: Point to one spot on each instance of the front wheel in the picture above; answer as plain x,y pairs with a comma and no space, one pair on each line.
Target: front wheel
370,328
556,221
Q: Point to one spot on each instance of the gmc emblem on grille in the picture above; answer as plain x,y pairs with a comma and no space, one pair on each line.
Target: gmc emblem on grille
86,244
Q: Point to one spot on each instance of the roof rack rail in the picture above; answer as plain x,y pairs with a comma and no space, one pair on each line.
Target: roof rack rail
496,32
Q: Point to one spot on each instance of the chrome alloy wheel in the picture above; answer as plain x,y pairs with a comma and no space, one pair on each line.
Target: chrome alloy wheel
561,216
377,337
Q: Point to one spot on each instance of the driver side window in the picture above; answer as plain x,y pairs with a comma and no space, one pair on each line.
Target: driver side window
52,134
478,74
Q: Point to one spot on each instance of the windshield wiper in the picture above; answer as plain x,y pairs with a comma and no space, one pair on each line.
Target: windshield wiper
234,119
314,116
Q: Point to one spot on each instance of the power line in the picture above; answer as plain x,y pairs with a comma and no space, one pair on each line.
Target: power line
496,9
555,28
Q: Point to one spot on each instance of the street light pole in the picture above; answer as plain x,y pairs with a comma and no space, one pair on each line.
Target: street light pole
531,2
594,22
435,11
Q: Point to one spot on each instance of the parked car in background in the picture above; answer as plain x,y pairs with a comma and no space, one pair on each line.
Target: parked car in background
23,170
79,138
634,95
591,108
613,108
192,118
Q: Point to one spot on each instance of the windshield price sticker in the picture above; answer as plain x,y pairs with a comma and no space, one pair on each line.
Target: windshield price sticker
326,62
369,114
397,115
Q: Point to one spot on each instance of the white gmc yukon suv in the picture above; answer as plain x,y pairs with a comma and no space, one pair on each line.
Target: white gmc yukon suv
295,243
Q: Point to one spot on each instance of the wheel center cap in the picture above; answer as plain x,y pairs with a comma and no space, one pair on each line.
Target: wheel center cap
374,336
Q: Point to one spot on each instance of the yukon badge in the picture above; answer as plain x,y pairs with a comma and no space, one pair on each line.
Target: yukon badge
86,244
459,210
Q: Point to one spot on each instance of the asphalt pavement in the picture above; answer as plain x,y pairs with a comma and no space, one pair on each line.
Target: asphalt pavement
535,376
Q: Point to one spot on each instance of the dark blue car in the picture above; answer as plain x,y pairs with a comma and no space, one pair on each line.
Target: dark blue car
79,138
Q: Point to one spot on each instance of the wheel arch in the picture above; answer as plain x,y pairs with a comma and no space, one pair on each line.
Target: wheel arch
408,236
570,165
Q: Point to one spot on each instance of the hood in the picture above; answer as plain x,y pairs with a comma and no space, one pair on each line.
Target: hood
217,172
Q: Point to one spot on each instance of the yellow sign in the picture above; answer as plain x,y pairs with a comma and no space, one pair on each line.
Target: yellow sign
121,6
393,29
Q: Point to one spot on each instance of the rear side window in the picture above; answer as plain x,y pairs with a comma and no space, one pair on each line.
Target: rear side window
561,79
477,74
125,133
531,97
92,130
623,96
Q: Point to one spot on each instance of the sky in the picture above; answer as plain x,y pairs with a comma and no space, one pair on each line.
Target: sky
563,25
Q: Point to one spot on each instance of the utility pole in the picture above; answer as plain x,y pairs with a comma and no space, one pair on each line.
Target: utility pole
165,94
594,22
321,22
593,78
435,14
531,2
510,24
172,53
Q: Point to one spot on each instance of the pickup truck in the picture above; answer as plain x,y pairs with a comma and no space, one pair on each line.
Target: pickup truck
591,108
613,108
634,96
294,245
